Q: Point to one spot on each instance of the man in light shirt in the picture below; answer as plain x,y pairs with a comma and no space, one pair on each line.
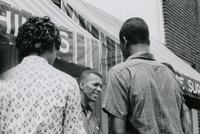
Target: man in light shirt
142,96
90,83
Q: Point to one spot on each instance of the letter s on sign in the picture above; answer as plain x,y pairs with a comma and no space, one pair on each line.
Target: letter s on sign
64,48
191,86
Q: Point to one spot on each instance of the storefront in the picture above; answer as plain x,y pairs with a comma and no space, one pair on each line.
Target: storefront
89,38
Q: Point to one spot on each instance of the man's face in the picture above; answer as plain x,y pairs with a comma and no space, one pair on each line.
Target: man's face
92,87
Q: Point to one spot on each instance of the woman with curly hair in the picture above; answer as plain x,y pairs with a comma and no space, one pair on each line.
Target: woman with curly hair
36,98
38,36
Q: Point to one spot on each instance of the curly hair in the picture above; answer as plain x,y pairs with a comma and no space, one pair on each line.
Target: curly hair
36,35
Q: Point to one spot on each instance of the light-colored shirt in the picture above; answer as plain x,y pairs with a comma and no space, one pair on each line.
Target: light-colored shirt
146,94
91,122
36,98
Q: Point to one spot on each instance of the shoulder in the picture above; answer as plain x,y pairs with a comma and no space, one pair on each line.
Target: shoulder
65,84
63,77
12,73
120,67
130,64
124,70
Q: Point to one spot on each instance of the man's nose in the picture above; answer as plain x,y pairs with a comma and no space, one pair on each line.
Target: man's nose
99,88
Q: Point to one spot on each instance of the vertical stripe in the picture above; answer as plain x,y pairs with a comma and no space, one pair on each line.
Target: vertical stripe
111,52
106,57
91,62
116,53
88,51
12,21
121,55
100,55
8,22
80,49
70,39
20,20
16,24
103,57
85,46
95,53
101,65
75,48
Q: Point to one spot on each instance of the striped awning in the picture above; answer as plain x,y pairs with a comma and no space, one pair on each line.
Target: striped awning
104,24
78,46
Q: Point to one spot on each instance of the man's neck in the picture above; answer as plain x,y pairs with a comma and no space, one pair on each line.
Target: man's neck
139,48
84,100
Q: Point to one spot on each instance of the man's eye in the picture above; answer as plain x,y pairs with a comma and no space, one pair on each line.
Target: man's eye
96,84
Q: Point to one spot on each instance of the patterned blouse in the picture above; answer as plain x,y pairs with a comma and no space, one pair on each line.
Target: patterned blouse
36,98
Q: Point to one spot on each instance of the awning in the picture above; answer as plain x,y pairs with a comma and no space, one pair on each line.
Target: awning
189,77
78,46
109,26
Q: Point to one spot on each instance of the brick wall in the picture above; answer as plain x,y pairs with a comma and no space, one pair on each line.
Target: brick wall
182,29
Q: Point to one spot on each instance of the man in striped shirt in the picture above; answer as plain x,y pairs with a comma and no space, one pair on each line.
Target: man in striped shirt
143,96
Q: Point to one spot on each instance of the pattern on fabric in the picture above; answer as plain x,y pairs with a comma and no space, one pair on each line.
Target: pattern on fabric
38,99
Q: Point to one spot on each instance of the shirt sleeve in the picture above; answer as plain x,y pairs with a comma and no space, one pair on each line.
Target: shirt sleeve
184,111
116,97
73,123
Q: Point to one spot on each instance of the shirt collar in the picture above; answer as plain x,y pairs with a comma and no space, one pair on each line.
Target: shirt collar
34,59
141,55
85,108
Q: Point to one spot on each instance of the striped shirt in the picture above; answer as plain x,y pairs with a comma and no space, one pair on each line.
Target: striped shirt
146,94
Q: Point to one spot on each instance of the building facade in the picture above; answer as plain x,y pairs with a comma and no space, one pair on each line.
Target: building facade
182,35
181,24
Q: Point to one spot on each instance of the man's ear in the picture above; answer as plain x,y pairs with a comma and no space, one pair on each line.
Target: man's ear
125,40
125,43
82,85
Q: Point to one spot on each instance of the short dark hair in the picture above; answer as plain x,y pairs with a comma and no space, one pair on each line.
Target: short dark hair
37,30
134,30
87,71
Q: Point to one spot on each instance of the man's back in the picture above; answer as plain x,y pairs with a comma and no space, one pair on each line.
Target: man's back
147,95
154,100
37,98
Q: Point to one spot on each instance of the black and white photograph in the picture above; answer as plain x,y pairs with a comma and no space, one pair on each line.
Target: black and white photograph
99,66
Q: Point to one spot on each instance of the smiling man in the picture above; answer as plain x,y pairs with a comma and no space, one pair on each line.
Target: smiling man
90,83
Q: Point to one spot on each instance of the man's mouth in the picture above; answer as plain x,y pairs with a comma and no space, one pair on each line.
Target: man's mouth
96,95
